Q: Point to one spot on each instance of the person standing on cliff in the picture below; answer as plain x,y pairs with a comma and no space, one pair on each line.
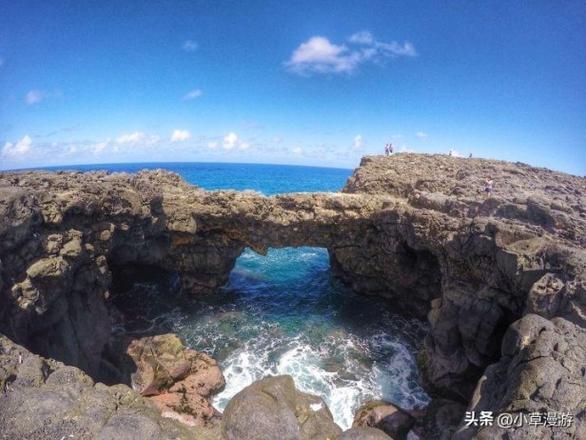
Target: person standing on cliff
488,183
391,150
386,149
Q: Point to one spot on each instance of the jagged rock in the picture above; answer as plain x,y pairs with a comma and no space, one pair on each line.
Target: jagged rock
385,416
416,229
542,370
273,408
42,399
440,420
180,381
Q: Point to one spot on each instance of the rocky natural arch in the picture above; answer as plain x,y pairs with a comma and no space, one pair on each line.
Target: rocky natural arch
413,228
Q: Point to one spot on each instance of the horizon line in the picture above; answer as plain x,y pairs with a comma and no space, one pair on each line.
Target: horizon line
50,167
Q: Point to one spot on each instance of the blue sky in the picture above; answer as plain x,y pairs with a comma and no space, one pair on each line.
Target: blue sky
305,82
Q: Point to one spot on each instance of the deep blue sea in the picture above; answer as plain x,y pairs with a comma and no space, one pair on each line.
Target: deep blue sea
268,179
284,313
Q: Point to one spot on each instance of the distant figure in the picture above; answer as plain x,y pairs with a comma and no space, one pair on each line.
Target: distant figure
391,149
488,186
386,149
470,156
451,152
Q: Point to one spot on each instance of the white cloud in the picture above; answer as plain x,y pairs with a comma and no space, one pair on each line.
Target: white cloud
244,145
406,149
131,138
395,49
421,135
192,94
138,137
21,148
297,150
34,97
180,135
99,147
230,140
357,143
213,144
362,37
190,46
320,55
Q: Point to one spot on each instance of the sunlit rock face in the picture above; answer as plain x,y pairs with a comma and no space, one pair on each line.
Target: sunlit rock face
416,229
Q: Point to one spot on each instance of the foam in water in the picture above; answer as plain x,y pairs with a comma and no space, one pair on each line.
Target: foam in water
285,314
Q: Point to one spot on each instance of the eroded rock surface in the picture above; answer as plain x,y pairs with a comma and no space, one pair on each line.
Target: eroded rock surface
43,399
364,434
416,229
385,416
178,380
273,408
542,371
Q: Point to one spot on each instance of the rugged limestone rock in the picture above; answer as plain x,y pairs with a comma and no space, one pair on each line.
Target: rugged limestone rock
385,416
42,399
416,229
272,408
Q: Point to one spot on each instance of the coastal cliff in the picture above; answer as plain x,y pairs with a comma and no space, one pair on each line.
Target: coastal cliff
488,272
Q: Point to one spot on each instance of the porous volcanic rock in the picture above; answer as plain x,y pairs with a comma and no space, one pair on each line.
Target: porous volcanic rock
43,399
540,378
416,229
363,434
385,416
272,408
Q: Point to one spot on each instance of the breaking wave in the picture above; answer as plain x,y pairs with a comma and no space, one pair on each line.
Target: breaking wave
284,313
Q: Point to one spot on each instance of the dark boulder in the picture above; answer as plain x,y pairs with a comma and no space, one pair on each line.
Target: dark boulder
272,408
385,416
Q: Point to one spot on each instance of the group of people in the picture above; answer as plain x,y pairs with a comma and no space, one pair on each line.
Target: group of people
488,183
389,149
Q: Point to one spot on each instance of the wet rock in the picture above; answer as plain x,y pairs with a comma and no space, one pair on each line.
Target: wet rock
273,408
384,416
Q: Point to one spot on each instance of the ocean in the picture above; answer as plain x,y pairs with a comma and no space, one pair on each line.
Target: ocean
267,179
284,313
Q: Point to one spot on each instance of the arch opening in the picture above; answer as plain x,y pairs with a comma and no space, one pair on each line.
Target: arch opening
286,313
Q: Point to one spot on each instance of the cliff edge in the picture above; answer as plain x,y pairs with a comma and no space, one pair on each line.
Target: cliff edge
418,230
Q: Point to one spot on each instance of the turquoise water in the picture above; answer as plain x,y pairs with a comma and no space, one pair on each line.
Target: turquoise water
284,313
